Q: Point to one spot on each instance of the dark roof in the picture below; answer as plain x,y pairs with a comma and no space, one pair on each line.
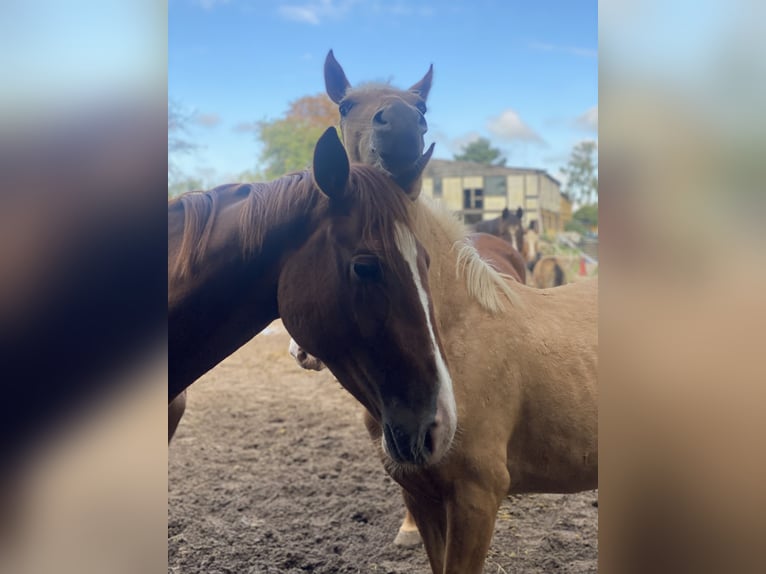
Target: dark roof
455,168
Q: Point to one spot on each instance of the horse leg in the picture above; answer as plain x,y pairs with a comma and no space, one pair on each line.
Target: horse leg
176,410
431,521
408,535
471,513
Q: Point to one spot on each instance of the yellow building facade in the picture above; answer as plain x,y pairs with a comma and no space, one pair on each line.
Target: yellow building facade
477,191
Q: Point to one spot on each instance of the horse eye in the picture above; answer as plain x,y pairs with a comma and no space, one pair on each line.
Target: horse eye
345,107
366,268
422,107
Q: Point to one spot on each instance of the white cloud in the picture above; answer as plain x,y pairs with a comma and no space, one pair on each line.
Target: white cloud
306,14
315,11
447,146
588,120
509,126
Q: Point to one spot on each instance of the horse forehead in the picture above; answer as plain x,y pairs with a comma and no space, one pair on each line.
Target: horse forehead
379,96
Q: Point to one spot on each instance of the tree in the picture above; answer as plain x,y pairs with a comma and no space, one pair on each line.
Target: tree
288,142
587,215
481,151
582,173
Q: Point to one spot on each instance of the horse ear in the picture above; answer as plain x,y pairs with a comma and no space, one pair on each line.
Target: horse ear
506,214
424,85
335,81
331,167
519,213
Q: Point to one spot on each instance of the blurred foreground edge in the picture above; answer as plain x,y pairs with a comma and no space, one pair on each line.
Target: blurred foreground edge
82,262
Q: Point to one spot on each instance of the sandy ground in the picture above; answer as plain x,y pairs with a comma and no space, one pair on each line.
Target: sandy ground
271,471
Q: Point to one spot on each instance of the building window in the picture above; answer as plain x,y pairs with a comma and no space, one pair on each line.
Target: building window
437,187
473,199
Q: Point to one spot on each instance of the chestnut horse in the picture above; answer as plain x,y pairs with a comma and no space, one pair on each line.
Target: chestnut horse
238,257
383,127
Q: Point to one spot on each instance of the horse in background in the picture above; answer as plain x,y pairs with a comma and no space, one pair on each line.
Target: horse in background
546,271
507,226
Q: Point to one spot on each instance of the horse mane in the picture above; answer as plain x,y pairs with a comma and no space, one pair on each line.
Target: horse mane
262,204
199,209
484,283
379,202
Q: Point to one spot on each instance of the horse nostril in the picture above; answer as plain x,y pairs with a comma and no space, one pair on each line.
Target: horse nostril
428,441
302,356
378,118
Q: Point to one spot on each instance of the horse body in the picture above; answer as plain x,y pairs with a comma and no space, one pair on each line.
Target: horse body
500,254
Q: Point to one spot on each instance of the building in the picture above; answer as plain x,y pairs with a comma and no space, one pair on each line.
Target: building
477,191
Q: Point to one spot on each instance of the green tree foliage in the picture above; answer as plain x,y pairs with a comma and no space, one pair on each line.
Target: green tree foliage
587,215
582,173
288,142
481,151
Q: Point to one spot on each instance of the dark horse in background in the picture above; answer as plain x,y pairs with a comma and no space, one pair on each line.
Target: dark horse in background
507,225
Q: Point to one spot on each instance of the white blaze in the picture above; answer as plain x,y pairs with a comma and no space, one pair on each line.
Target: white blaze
446,409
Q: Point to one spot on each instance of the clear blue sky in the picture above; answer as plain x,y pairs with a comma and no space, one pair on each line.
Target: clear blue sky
523,74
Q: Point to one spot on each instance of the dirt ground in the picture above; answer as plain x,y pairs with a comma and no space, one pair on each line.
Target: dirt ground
271,471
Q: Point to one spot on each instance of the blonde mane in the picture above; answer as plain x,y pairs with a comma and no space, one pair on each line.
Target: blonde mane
488,287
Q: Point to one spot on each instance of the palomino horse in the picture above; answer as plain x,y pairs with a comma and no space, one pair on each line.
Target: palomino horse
238,257
524,368
547,272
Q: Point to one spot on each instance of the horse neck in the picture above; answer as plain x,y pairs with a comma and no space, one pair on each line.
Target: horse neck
228,293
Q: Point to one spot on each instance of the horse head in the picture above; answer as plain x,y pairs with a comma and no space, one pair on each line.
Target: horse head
381,125
356,296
